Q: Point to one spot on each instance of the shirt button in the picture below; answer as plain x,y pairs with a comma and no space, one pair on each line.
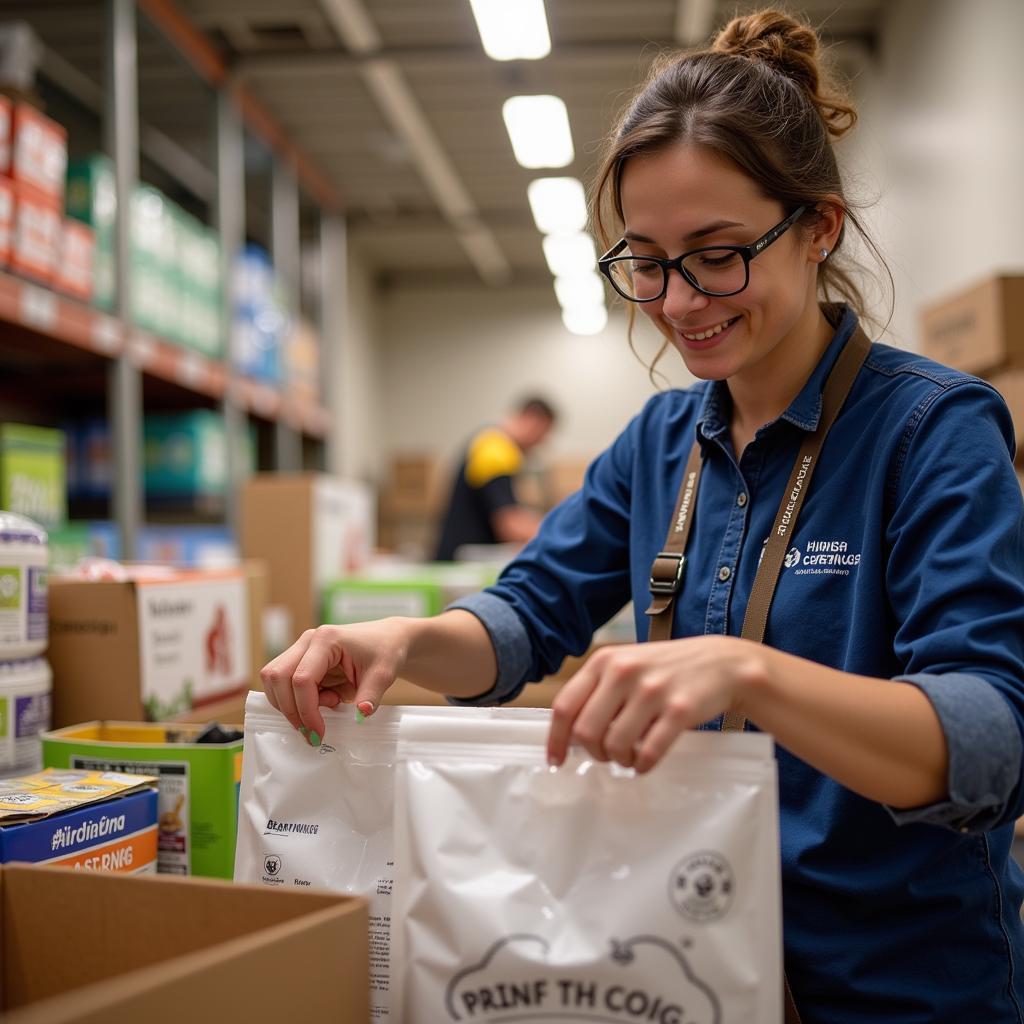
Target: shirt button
724,573
741,499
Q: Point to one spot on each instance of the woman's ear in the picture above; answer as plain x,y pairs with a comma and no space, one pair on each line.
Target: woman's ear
826,231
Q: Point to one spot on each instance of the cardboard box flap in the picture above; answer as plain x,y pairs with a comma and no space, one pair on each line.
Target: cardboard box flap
121,733
157,948
53,790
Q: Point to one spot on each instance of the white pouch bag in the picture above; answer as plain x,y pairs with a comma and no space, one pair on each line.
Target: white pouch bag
321,817
586,893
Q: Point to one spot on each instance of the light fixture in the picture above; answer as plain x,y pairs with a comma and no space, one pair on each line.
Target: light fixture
569,254
579,290
585,319
539,129
559,205
512,29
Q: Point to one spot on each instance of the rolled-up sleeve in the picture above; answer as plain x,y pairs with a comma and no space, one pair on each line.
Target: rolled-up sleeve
955,578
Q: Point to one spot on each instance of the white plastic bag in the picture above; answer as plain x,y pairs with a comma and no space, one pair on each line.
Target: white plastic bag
321,817
524,893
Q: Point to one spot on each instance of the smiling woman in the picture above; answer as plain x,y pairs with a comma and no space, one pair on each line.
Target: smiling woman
822,539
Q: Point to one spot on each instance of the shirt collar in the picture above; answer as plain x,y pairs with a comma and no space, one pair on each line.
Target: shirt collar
805,410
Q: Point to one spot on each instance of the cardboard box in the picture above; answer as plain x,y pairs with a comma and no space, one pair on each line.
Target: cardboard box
1010,384
147,648
88,820
310,529
158,949
563,478
978,329
5,135
6,219
36,235
76,257
198,785
32,473
39,156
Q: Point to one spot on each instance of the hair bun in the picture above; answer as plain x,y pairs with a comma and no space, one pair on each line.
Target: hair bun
793,49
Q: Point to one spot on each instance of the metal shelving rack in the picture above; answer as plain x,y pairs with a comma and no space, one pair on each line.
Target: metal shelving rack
41,324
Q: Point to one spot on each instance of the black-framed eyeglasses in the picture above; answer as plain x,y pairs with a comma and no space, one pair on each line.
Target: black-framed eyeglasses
714,270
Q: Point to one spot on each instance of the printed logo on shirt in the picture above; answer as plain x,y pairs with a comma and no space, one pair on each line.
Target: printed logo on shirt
823,558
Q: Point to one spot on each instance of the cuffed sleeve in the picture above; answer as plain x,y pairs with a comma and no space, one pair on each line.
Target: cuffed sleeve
985,752
511,647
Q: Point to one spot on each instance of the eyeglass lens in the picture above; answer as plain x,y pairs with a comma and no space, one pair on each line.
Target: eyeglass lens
718,271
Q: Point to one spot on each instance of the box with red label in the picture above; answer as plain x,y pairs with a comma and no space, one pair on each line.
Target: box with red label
6,219
76,259
87,820
5,135
39,152
35,239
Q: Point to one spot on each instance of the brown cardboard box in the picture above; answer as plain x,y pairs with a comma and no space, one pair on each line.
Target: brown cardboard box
1010,384
257,580
565,477
978,329
115,656
81,947
309,529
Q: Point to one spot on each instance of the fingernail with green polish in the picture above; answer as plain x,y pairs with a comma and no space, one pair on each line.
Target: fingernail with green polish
360,717
314,738
302,729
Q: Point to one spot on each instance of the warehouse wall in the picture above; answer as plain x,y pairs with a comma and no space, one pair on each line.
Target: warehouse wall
940,145
454,359
356,383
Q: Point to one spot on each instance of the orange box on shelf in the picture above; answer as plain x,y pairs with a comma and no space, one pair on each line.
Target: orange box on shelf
76,256
5,135
39,152
35,238
6,219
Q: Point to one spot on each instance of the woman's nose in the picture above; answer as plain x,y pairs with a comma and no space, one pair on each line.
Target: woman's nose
681,298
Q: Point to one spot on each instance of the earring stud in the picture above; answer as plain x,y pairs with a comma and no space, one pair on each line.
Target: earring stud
824,254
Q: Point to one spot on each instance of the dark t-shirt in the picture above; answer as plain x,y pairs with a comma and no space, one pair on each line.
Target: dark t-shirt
482,486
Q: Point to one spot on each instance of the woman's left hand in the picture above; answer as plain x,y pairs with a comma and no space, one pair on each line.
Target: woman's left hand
629,703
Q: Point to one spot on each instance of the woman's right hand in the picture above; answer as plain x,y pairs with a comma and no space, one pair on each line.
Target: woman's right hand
333,665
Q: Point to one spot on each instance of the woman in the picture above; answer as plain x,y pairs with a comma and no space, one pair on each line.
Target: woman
892,668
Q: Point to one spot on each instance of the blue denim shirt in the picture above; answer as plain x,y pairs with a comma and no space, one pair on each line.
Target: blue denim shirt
907,563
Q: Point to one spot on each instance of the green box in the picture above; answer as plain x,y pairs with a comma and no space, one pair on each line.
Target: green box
68,545
198,803
92,199
32,473
185,454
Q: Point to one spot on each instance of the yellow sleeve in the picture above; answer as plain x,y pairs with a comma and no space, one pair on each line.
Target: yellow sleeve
492,454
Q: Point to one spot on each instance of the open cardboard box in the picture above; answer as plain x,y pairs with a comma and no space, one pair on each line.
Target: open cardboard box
81,947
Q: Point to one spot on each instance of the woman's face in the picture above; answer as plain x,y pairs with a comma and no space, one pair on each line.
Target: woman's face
685,197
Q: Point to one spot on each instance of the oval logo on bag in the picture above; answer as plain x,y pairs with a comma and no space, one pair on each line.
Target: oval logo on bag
701,886
272,865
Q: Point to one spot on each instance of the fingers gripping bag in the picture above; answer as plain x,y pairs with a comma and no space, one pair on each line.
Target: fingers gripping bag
586,893
321,817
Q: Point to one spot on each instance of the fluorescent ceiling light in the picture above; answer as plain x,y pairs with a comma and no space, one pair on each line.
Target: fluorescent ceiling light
569,254
512,29
539,129
579,290
559,205
585,319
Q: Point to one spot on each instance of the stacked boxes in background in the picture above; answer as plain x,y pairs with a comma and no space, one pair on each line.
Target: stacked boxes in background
260,319
92,200
32,473
980,330
411,503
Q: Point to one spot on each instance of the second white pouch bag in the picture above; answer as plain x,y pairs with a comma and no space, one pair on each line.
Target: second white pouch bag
585,893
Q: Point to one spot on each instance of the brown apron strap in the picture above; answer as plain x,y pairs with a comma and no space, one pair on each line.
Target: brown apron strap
670,563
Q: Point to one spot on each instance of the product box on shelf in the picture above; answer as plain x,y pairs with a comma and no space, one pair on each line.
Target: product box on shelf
92,199
35,237
260,319
32,473
978,329
177,946
302,363
187,546
310,529
198,784
149,647
89,820
76,260
39,153
6,220
5,135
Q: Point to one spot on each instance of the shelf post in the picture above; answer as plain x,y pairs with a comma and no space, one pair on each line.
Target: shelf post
229,221
124,386
333,304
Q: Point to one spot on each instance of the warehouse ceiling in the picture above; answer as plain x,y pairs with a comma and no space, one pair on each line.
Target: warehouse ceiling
399,107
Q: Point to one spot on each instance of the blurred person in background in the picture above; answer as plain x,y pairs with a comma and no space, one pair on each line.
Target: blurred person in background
483,507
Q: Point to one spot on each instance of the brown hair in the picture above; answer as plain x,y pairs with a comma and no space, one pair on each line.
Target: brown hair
760,97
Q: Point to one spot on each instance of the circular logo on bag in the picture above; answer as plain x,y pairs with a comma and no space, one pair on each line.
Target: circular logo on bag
701,886
792,557
272,865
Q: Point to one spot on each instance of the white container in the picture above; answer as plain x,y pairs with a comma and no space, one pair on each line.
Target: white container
25,688
23,588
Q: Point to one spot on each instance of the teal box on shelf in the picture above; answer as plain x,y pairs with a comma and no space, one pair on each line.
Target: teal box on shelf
186,454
